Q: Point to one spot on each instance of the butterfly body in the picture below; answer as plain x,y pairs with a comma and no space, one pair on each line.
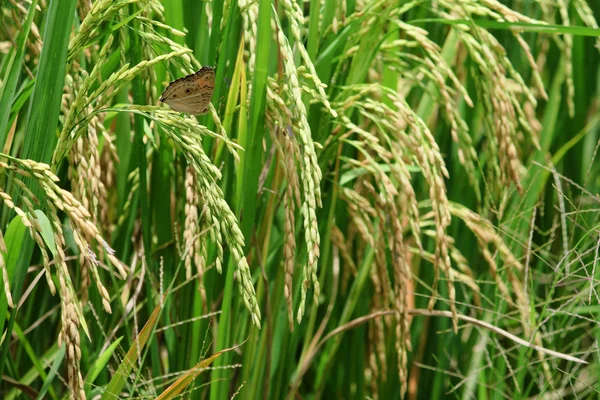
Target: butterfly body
191,94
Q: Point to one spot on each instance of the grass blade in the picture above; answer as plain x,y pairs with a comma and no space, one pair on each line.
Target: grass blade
9,83
118,381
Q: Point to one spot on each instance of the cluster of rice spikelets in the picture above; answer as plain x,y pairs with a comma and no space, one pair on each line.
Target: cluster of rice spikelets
186,64
80,139
220,221
87,187
34,43
71,315
310,173
428,157
84,110
85,233
133,181
289,125
370,224
401,139
298,133
501,87
194,243
86,103
279,121
396,55
100,11
73,127
287,117
402,275
249,11
191,234
108,170
376,207
402,132
587,15
412,140
294,14
560,10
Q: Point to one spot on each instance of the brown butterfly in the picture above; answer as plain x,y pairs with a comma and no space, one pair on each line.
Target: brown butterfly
191,94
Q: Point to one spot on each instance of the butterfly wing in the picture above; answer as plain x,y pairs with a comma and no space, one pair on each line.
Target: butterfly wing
205,79
185,106
191,94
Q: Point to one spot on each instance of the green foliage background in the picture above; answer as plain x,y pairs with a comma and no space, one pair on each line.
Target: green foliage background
389,190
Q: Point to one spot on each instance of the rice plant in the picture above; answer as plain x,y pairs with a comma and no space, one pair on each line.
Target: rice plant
384,200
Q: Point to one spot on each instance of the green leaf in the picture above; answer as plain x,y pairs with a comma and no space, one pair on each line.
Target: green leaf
515,26
42,122
54,368
9,87
100,363
14,237
117,383
44,107
47,232
184,381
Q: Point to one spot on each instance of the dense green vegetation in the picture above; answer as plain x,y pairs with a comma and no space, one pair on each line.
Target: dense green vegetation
386,200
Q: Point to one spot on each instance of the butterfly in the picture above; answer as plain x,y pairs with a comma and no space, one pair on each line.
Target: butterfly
191,94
